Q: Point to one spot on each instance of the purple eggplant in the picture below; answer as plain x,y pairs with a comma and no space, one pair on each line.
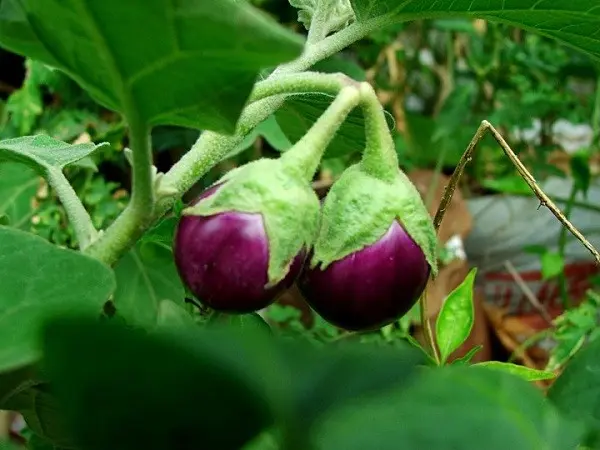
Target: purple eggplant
223,259
371,287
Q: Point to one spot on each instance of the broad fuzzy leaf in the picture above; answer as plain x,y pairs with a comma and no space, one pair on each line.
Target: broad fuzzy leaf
180,62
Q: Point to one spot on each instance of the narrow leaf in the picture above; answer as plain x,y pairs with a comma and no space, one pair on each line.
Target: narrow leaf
455,320
526,373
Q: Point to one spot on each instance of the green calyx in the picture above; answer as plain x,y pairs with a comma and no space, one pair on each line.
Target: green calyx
360,208
363,203
288,205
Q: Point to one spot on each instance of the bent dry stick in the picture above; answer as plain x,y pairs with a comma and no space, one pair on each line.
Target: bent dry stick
467,156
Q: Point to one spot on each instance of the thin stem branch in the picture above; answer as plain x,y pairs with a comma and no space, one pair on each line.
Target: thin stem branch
379,157
78,216
302,83
138,214
428,331
484,128
304,158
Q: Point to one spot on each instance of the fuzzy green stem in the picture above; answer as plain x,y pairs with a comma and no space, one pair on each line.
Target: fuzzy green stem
303,82
379,157
304,158
78,216
138,214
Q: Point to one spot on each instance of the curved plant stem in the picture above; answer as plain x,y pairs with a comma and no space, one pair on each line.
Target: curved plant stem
379,156
302,82
78,216
305,156
138,214
426,324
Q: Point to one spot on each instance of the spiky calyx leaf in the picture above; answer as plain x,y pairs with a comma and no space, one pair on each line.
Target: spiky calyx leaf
359,209
288,205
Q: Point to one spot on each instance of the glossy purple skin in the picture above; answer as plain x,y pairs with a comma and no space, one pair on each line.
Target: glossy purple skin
223,259
372,287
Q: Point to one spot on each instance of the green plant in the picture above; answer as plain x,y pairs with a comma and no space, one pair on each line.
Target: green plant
99,349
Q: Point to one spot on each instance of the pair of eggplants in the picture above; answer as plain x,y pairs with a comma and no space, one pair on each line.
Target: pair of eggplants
223,258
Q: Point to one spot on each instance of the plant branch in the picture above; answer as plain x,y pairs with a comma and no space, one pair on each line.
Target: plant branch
302,83
138,214
484,128
78,216
428,331
335,43
304,158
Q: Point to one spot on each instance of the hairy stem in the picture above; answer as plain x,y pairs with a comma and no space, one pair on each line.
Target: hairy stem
138,214
428,331
302,82
379,157
78,216
305,156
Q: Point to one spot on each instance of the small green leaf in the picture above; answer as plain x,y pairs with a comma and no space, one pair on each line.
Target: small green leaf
300,112
523,372
146,276
455,320
40,279
465,360
186,63
552,265
43,153
162,390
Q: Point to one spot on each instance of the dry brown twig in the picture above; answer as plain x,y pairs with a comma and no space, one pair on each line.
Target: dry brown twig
467,156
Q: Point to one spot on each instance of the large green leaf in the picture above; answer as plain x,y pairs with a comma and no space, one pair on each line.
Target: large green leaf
191,63
146,276
453,407
44,153
575,23
300,112
577,390
18,186
40,279
166,390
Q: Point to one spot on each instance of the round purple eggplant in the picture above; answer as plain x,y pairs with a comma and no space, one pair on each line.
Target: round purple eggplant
372,287
223,259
